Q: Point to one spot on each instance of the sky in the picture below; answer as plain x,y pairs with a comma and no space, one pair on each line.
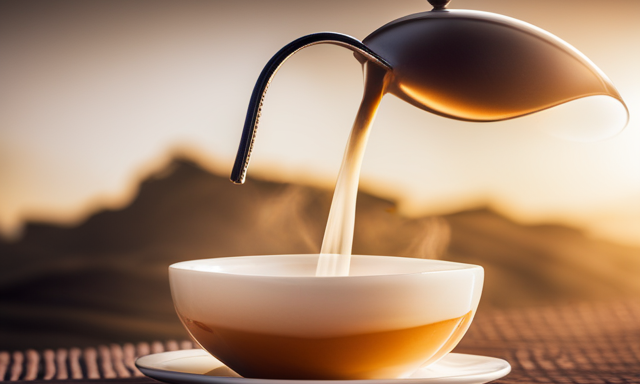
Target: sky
94,95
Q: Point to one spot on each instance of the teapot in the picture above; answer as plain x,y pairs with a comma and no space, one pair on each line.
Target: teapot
460,64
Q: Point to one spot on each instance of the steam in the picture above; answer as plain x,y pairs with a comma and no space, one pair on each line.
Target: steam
292,218
432,240
288,219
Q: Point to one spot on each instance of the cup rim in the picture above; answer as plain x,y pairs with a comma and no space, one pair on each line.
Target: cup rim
457,266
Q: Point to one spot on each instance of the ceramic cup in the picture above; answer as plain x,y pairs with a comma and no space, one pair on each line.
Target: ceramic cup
271,317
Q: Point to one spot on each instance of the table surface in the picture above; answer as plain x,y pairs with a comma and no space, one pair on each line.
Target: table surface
582,343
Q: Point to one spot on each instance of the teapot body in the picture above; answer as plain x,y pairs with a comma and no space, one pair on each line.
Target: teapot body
480,66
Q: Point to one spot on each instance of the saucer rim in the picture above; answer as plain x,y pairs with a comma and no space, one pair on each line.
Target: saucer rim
170,376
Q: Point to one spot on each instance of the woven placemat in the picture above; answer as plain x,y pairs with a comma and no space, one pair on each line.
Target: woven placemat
583,344
104,362
586,343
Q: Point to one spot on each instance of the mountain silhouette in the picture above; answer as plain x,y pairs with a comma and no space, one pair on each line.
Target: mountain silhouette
105,279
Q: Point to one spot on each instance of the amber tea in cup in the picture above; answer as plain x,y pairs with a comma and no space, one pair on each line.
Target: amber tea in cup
271,317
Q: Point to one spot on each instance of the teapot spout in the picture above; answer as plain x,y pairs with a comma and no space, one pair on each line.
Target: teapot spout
238,174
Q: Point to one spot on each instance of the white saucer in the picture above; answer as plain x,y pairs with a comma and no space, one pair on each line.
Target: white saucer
196,366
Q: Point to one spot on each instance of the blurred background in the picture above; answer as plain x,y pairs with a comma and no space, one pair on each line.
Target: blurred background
119,122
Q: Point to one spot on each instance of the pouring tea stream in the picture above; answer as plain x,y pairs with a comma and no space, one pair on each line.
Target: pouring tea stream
460,64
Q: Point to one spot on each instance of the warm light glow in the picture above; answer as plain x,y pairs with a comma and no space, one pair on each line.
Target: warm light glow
93,96
586,120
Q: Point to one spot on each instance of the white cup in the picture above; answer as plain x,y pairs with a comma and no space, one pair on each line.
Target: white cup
271,317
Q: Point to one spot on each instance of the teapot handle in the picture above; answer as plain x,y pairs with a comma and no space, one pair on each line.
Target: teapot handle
239,171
